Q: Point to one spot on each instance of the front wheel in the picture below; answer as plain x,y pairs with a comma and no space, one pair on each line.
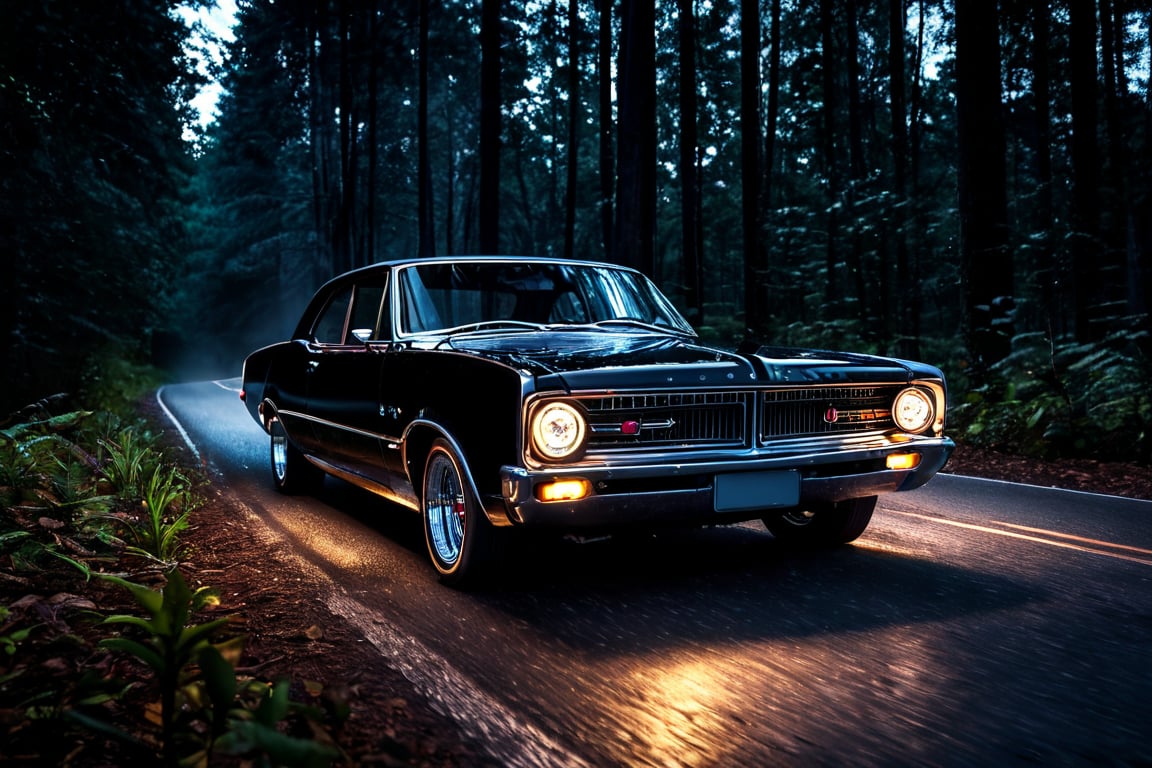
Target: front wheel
291,472
461,540
823,525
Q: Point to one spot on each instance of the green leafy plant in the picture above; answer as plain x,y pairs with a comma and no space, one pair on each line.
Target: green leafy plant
10,638
1052,399
170,644
167,504
131,458
247,715
198,683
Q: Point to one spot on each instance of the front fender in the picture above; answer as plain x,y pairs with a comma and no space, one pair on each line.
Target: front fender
417,443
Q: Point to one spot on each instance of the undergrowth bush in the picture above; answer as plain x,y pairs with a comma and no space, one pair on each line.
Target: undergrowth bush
86,494
1063,399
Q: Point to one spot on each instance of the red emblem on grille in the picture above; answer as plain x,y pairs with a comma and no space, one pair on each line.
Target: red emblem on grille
831,415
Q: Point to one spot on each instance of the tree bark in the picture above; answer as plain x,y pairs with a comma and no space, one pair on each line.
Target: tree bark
607,162
829,58
907,330
986,259
1085,214
636,179
427,237
574,111
755,273
490,127
691,265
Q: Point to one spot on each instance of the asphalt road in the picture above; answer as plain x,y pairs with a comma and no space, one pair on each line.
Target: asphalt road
975,623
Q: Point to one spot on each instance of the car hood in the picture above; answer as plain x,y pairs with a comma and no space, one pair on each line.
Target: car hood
615,360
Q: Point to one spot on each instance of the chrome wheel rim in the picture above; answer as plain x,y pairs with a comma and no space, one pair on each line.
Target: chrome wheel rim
444,509
279,456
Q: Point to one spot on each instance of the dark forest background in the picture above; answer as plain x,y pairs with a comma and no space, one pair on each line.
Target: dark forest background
960,181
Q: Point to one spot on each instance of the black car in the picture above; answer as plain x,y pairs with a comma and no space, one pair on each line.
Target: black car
494,393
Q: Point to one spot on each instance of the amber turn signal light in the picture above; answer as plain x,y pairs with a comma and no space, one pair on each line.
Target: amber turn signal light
903,460
563,490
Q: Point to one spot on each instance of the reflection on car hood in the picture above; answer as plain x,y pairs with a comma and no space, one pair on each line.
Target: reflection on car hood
596,360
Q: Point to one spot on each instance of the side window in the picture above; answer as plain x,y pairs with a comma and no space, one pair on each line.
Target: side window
329,327
366,314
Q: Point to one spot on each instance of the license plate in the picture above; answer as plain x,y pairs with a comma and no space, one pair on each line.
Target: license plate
742,491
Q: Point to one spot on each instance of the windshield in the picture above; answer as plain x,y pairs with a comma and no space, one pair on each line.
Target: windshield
460,296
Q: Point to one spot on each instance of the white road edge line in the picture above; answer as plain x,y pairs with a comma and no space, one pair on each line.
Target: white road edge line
1044,487
506,737
1014,535
176,423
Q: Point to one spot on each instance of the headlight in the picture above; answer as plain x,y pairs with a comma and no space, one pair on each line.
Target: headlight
913,410
558,430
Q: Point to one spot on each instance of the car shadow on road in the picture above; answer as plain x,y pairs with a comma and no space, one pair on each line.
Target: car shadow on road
739,582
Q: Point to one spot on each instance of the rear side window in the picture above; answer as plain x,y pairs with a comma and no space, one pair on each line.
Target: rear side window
366,315
329,327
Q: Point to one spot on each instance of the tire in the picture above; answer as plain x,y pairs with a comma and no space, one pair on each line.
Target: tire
461,541
291,472
823,525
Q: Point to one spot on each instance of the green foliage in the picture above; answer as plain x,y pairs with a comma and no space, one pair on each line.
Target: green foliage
1051,399
167,502
10,639
115,378
198,683
131,457
57,520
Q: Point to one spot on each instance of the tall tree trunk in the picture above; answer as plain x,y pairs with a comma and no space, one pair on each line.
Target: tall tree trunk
1119,235
907,329
829,60
321,109
607,163
346,216
427,236
755,271
692,271
856,168
772,115
373,141
636,178
574,111
490,126
986,259
1049,277
1089,286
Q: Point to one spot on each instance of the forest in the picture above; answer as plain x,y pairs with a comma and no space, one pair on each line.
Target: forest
963,182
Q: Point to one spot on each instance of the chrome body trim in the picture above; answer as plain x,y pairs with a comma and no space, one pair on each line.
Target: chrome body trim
647,492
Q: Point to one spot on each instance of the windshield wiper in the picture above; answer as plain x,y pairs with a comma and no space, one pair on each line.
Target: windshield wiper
491,325
632,322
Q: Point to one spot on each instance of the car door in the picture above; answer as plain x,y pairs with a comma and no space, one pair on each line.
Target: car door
343,371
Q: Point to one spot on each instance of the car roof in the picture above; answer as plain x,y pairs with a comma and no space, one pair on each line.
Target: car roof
415,261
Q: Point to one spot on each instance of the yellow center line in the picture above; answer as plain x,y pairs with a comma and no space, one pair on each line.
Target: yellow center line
1077,538
1040,540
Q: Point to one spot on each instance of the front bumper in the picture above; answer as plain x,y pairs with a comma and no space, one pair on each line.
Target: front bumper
678,491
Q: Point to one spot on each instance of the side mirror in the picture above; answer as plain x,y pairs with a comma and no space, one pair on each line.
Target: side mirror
362,334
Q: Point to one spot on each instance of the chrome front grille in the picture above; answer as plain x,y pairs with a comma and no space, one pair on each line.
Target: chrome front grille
790,413
692,421
668,421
